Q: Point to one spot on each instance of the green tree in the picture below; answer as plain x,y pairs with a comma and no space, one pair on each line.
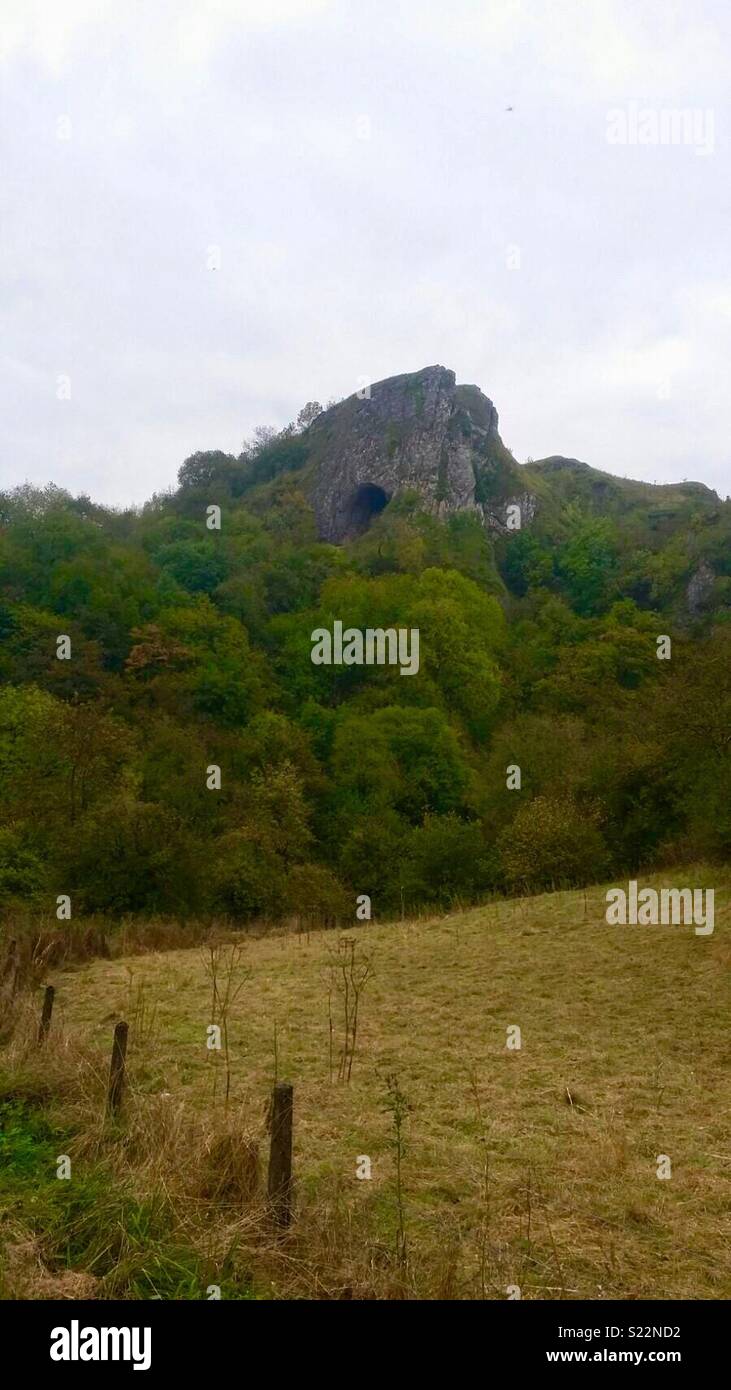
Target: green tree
588,563
552,844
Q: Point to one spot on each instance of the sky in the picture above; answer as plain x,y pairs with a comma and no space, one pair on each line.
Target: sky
213,212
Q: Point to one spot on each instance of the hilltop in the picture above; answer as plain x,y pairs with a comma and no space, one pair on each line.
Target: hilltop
420,442
424,433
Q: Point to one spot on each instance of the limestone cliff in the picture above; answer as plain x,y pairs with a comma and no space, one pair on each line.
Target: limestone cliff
418,432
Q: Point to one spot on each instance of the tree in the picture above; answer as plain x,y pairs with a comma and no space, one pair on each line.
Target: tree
134,856
552,844
307,414
588,563
206,469
446,859
408,759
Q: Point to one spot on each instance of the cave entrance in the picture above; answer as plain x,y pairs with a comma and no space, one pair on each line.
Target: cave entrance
367,502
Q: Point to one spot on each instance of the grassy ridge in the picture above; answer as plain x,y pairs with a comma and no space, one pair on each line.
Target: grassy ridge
535,1167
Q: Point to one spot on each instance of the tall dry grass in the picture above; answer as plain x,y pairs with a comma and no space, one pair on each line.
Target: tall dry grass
534,1169
207,1170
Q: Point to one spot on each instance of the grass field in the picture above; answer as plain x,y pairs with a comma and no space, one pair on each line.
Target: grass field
534,1168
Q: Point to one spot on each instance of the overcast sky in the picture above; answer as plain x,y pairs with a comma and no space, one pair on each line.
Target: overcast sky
213,212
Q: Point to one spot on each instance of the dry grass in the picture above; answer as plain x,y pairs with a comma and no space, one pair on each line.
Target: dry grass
534,1167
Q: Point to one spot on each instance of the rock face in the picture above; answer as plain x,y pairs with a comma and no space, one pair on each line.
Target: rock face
700,589
419,432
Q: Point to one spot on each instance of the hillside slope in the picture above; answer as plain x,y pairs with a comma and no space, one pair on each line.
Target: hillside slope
144,652
624,1057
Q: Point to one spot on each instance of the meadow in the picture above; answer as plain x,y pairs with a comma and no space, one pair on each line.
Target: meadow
452,1164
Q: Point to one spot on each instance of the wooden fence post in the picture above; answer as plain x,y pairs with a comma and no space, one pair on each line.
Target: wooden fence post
45,1022
117,1072
280,1155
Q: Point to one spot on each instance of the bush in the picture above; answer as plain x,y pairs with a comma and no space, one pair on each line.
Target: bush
249,879
315,893
22,871
136,857
552,844
446,860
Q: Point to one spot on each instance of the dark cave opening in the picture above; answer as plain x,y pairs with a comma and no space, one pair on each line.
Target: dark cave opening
367,502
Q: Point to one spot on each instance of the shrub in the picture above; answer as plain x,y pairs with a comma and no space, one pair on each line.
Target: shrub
249,879
446,860
552,843
135,857
22,871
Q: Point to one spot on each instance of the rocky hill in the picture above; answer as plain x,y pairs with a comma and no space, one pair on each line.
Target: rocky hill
419,432
144,653
423,433
424,437
422,445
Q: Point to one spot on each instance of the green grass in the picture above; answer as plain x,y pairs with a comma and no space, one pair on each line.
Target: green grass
90,1222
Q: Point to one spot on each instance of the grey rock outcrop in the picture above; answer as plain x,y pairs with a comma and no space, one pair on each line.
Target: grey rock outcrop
700,588
418,432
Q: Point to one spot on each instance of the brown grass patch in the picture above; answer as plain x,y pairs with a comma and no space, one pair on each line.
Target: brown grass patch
534,1167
